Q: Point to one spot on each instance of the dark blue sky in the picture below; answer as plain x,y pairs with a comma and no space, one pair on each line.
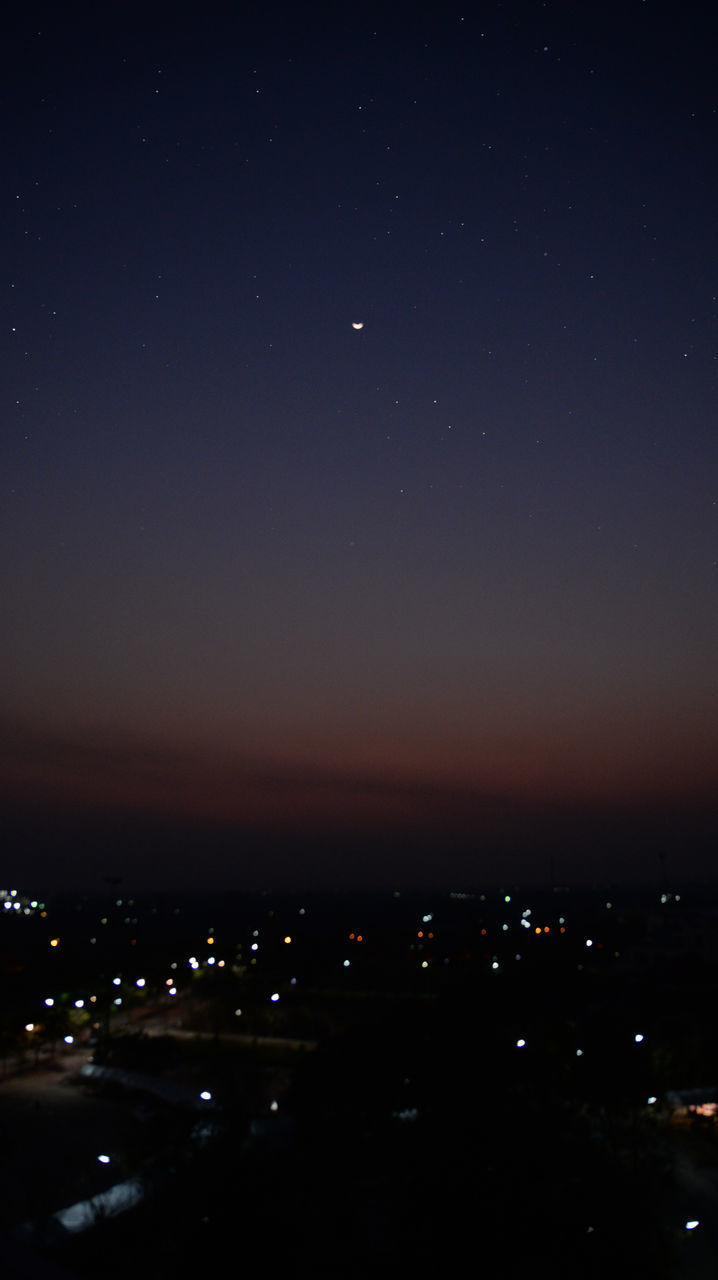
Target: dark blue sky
449,575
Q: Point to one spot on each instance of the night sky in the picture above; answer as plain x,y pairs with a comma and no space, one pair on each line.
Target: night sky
289,600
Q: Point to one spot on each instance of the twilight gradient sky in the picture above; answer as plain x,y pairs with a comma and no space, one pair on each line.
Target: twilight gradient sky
426,599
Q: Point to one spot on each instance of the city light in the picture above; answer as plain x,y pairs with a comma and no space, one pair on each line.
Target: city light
411,936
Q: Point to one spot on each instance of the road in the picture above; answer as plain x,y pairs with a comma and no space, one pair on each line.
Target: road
158,1027
51,1133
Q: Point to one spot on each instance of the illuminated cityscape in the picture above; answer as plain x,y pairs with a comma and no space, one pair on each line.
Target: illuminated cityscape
387,1074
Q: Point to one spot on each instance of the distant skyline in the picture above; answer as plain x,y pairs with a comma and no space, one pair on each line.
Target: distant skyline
423,599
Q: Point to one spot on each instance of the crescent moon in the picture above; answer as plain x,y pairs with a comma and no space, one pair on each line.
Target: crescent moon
357,324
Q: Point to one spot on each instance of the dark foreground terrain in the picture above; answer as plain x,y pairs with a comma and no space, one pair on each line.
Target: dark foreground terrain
390,1084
